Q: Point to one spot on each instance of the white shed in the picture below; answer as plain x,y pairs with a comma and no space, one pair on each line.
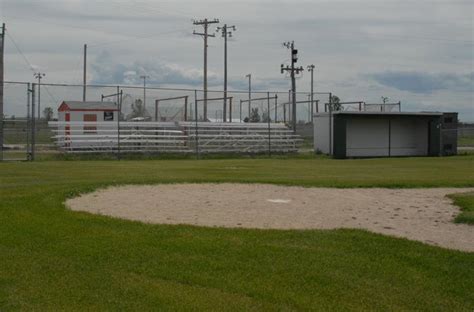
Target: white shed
379,134
81,123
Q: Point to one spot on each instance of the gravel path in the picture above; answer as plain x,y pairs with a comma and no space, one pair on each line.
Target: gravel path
419,214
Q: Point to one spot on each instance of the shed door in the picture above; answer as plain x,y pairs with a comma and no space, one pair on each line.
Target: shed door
408,137
67,129
90,129
367,137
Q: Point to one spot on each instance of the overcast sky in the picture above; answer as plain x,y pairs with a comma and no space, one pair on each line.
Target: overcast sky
417,52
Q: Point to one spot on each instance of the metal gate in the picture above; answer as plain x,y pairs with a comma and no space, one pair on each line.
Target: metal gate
18,122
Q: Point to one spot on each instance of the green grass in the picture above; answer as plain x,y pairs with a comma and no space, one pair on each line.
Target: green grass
55,259
16,132
466,202
467,140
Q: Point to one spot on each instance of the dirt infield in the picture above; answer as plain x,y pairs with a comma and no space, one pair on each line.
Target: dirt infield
420,214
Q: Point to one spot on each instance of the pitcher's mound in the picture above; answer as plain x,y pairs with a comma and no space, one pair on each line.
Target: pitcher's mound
420,214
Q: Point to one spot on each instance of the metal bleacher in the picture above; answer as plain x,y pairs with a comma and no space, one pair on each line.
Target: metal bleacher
241,137
173,137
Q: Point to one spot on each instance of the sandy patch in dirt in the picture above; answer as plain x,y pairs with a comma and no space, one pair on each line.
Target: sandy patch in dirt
420,214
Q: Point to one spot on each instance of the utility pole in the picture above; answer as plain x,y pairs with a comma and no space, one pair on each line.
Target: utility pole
311,70
2,52
144,77
310,108
225,32
250,91
39,76
84,78
292,69
205,23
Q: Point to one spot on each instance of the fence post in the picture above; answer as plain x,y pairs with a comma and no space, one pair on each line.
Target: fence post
119,108
196,123
240,113
268,119
230,109
28,121
276,108
330,123
33,122
186,108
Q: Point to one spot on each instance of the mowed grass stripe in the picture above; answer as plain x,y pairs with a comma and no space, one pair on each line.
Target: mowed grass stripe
54,259
395,172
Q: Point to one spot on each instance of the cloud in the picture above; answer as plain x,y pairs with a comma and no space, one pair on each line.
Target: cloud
107,71
425,83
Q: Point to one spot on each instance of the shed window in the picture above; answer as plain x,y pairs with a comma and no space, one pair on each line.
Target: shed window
448,119
108,116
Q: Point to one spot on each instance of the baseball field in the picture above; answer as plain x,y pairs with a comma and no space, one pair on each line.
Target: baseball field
53,257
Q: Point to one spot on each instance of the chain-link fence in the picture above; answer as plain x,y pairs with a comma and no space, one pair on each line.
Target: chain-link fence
465,139
38,121
136,120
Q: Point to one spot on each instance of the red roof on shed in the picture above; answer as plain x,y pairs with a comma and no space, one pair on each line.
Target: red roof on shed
87,106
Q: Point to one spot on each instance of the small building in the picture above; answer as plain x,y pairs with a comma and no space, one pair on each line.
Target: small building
80,123
346,134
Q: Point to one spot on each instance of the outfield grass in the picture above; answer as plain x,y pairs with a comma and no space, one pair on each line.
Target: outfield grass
16,132
55,259
467,140
466,202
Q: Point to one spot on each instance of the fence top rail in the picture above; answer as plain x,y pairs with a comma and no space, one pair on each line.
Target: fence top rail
300,102
381,104
44,84
172,98
262,98
214,99
352,102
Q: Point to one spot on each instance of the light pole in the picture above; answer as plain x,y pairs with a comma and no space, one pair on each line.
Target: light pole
205,23
311,69
293,71
39,76
84,74
144,77
250,91
225,32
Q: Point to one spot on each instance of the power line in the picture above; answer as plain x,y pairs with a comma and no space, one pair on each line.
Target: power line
30,66
137,38
98,30
21,53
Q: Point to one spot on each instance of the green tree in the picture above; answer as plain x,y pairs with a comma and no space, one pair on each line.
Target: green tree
254,115
336,103
266,117
138,110
48,113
